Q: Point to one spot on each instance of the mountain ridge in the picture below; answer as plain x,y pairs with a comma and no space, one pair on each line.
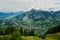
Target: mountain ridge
35,18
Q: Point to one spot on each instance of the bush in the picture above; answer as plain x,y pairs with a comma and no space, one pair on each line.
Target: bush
1,32
54,30
16,36
10,30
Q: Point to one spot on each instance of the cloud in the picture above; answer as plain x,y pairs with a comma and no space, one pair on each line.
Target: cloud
16,5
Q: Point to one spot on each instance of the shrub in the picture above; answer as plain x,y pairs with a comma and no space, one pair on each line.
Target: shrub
10,30
16,36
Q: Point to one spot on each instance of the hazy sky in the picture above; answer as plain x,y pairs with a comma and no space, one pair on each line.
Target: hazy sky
17,5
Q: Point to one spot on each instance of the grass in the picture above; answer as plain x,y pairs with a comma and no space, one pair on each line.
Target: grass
30,38
55,36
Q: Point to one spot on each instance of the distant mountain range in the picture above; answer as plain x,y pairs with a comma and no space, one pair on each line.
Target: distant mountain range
40,16
4,15
34,19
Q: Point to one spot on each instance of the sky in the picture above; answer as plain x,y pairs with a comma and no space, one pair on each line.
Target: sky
20,5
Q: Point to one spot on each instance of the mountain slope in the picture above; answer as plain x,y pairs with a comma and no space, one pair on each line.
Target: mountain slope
39,20
40,17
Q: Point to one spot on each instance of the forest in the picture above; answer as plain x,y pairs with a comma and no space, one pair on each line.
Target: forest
30,25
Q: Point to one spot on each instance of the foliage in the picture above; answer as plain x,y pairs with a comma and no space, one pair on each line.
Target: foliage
10,30
16,36
1,32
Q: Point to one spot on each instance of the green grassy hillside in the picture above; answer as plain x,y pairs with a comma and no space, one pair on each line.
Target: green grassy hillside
30,38
55,36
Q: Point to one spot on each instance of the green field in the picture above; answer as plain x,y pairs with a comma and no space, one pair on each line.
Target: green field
55,36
